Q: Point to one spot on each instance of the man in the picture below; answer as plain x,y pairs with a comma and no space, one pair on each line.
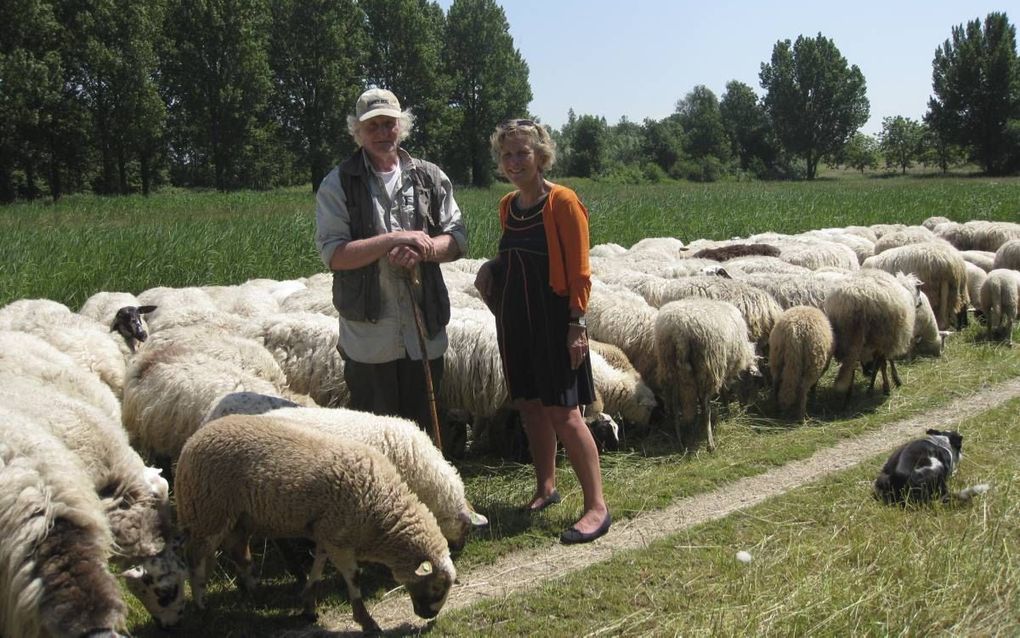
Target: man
381,218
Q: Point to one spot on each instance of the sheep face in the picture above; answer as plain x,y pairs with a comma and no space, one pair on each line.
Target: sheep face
429,587
128,322
159,584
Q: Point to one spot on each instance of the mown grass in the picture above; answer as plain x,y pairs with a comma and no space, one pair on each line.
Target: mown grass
82,244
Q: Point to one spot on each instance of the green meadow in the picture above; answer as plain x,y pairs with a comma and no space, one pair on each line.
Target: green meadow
828,559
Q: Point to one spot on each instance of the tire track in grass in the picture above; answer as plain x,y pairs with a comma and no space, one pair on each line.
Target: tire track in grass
523,570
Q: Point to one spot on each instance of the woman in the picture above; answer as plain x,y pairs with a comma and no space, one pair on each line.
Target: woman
538,289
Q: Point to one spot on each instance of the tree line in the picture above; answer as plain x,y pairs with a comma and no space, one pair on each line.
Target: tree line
117,96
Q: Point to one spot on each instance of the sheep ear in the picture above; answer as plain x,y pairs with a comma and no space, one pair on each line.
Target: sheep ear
424,569
135,573
144,310
473,518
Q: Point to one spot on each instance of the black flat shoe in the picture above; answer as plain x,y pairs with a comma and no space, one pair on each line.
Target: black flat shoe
572,536
552,499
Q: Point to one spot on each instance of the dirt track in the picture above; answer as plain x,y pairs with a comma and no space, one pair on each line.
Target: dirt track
523,570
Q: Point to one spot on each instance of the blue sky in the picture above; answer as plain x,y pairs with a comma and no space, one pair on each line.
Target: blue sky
637,58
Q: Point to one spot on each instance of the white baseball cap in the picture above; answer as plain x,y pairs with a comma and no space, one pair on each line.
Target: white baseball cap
376,102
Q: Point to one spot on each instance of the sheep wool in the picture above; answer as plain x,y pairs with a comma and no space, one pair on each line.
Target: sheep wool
1008,255
1000,302
271,477
940,268
54,540
800,347
702,345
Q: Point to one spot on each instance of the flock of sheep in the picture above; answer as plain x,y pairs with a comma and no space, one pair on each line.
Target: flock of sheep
240,390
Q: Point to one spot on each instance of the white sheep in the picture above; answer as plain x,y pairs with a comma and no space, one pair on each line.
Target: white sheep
788,290
312,299
800,348
245,300
54,541
165,399
940,268
702,345
473,378
668,245
760,264
872,316
244,475
134,497
26,355
978,234
976,277
904,237
622,391
304,344
934,221
983,259
862,246
606,250
421,465
1008,255
1000,298
623,318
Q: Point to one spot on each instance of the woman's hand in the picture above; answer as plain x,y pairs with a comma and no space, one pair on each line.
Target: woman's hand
577,344
484,282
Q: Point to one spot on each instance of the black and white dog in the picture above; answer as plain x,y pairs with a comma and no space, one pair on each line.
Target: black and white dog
917,472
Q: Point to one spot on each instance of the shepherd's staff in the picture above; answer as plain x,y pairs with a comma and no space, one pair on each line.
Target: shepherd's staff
414,281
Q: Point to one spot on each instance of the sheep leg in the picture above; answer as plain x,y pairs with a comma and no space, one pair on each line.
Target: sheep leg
237,546
314,576
802,394
845,380
688,414
199,551
706,421
895,375
885,375
344,561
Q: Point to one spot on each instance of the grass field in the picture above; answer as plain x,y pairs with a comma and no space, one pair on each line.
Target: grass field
828,560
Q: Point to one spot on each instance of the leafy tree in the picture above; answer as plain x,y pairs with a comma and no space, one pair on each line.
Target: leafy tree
490,84
976,85
937,151
217,80
588,146
747,126
814,99
316,50
405,56
699,115
664,142
861,152
901,141
624,144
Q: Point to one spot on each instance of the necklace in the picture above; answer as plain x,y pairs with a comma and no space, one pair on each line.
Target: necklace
529,213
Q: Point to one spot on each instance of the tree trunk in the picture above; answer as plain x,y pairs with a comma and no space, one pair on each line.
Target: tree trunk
145,169
122,171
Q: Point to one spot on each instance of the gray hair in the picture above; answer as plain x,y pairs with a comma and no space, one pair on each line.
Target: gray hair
404,127
537,135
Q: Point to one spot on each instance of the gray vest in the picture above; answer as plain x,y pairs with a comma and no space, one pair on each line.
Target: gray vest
356,293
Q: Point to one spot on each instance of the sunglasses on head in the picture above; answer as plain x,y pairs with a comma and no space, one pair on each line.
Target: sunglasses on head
516,123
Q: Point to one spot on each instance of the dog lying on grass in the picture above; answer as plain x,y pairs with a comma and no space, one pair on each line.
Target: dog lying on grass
918,471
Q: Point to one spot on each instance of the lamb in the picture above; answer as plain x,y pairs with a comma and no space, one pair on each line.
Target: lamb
135,498
872,316
1000,298
54,541
702,345
420,464
1008,255
940,268
243,475
800,348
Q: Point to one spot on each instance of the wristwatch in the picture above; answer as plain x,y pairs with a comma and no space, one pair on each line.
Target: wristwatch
578,321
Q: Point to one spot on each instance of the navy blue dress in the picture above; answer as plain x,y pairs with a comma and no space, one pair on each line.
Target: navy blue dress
531,319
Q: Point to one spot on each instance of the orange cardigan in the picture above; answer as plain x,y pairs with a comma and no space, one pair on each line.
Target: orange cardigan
566,233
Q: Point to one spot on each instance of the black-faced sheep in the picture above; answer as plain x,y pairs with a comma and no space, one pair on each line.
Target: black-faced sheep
800,348
242,475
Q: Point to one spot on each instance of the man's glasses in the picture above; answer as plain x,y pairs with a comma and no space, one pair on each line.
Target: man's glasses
515,123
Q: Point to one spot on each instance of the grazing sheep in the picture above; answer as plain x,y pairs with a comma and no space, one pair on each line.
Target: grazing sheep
1008,255
54,541
934,221
1000,298
862,246
622,392
304,344
244,475
420,464
702,345
244,300
246,353
762,265
668,245
312,299
731,251
26,355
246,403
928,340
904,237
940,268
472,369
981,258
882,230
757,307
126,312
819,253
978,234
135,498
623,318
794,290
800,348
43,311
606,250
166,398
976,277
872,316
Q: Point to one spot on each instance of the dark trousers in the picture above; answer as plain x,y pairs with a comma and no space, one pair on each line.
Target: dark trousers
395,388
